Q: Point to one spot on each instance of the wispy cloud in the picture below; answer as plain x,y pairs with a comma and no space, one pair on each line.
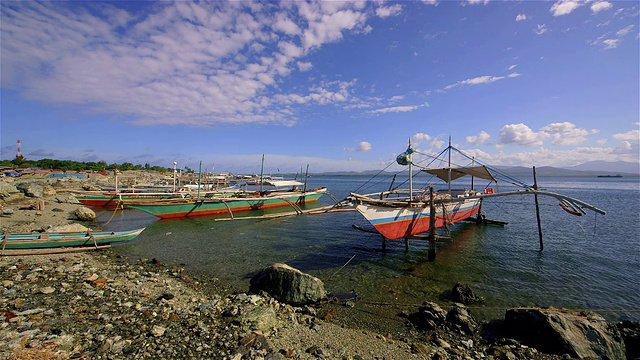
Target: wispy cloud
565,7
521,17
600,5
395,109
608,41
486,79
540,29
183,63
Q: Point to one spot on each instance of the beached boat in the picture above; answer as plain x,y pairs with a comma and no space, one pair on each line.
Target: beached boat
112,198
227,204
46,243
403,213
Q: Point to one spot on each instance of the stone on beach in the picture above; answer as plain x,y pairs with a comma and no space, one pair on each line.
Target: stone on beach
288,285
581,335
85,214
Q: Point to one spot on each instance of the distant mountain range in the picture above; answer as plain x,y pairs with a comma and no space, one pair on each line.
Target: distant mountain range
591,168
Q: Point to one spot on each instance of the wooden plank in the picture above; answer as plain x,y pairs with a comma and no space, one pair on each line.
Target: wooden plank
21,252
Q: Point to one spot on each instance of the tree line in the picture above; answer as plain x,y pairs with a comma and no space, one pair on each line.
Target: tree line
69,165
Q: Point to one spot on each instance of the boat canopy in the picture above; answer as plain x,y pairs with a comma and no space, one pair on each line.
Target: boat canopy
282,183
476,171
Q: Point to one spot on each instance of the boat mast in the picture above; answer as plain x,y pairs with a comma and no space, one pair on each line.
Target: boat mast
410,172
261,172
449,172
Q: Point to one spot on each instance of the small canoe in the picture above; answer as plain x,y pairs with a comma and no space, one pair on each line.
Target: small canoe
48,243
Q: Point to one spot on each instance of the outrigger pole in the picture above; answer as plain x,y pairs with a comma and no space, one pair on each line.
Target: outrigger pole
535,196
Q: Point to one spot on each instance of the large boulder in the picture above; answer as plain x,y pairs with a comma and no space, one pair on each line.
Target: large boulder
6,190
288,285
84,214
31,189
559,331
430,316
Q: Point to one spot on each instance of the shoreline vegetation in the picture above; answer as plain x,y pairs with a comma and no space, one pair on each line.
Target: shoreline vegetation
102,305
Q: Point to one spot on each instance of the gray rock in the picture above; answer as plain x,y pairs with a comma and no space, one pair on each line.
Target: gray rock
429,316
7,211
463,294
288,285
459,318
7,190
261,318
559,331
84,214
31,189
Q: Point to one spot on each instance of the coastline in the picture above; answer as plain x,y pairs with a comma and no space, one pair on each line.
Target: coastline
102,305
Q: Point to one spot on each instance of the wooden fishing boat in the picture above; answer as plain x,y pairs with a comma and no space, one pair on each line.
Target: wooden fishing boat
229,204
404,213
112,198
46,243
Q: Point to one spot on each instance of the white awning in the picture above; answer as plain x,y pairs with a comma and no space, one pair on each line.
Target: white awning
283,183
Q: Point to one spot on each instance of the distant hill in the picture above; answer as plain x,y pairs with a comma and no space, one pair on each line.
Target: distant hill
609,167
590,169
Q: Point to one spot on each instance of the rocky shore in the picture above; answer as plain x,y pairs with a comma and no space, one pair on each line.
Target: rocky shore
100,305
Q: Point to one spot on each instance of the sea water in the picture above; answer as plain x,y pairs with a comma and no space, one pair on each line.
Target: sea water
591,262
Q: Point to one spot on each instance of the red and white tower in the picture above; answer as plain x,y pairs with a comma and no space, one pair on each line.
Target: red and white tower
19,154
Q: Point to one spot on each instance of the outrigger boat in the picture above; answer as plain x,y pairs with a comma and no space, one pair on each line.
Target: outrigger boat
48,243
113,198
229,204
404,213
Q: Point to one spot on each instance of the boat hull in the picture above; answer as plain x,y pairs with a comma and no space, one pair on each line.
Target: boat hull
401,222
204,207
107,199
58,240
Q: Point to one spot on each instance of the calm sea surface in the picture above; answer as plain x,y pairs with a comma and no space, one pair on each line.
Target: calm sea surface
590,262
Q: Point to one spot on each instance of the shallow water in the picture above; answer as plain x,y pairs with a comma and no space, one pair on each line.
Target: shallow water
590,262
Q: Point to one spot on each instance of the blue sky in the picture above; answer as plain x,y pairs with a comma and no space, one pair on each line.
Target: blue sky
337,85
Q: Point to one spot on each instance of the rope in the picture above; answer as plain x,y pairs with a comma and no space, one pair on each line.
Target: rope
345,264
114,213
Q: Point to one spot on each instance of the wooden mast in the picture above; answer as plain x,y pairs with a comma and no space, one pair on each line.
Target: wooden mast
410,172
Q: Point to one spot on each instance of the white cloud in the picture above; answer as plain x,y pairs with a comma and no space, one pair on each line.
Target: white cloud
304,66
486,79
566,133
420,138
624,147
187,63
625,31
520,134
540,29
481,138
600,5
395,109
608,42
564,7
387,11
521,17
364,146
633,135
